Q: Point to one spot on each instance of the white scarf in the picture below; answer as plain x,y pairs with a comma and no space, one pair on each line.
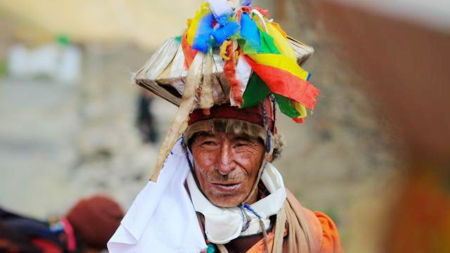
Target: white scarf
225,224
162,217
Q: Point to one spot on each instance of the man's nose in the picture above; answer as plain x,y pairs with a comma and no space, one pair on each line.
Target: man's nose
226,162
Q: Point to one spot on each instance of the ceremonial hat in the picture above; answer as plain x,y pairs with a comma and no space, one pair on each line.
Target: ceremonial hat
230,54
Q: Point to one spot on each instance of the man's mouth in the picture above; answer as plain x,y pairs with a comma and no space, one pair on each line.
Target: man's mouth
226,186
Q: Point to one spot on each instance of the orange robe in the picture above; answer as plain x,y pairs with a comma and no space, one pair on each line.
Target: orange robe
327,233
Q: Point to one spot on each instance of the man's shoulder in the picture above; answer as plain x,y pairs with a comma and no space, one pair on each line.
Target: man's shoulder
321,226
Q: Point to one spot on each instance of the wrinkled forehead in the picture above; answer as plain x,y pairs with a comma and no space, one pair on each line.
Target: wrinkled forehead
228,126
220,136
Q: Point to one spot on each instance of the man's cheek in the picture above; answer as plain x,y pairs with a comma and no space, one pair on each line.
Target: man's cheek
205,159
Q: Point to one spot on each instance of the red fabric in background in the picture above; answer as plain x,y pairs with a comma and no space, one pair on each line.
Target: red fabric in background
47,246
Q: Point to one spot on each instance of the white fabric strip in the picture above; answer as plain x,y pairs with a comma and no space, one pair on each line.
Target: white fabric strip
220,7
243,72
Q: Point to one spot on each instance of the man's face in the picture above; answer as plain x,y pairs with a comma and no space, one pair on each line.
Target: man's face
226,166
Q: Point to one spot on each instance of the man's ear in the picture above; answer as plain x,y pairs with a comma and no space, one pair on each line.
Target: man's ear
277,141
269,157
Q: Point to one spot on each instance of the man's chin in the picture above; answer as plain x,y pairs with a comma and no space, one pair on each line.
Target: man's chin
226,201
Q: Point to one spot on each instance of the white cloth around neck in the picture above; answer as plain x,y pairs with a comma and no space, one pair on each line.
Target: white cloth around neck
225,224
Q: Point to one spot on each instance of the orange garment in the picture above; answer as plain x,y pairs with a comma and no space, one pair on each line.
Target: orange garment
330,235
330,242
259,246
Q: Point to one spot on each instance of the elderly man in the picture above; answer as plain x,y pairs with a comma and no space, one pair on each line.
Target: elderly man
217,190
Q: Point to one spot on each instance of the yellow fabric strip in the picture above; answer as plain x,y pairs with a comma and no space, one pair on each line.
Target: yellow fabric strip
192,30
281,62
278,27
223,50
301,109
280,41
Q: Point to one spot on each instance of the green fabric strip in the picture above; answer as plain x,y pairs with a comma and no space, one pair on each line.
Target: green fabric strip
255,92
286,106
267,44
247,49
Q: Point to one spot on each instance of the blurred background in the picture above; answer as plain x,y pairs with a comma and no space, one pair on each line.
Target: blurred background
72,123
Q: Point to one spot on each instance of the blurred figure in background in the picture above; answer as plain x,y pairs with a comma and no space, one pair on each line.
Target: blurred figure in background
86,228
145,120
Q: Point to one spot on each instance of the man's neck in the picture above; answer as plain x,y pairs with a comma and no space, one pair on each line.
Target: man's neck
242,244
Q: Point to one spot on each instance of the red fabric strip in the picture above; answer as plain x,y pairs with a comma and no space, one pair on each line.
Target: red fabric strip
251,114
299,120
229,69
284,83
189,53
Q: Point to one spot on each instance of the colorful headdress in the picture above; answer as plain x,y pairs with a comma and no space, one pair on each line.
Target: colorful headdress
230,53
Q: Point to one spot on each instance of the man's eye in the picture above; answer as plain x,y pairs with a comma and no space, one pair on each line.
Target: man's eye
242,144
209,143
